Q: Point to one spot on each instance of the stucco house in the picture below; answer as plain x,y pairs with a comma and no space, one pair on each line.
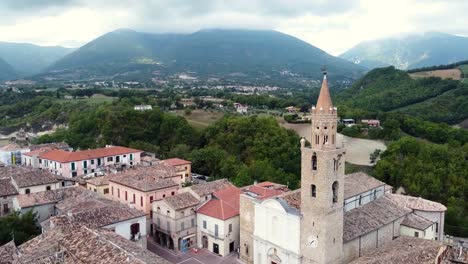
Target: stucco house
72,164
7,193
99,185
183,167
218,222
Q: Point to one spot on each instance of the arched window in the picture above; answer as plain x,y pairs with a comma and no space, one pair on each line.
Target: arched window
334,164
335,191
314,161
313,190
27,191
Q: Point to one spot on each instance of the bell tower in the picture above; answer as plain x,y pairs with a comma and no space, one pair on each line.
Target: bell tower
322,186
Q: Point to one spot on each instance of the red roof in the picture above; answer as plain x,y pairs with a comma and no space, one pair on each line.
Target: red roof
67,156
176,162
263,192
37,151
224,205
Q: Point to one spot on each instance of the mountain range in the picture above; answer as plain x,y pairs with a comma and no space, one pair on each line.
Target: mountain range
214,53
409,52
6,71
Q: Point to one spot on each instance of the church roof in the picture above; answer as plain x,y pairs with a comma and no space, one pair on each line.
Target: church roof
324,100
417,203
417,222
371,216
404,249
359,182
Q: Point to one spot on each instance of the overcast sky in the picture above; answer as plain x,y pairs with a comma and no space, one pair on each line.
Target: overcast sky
332,25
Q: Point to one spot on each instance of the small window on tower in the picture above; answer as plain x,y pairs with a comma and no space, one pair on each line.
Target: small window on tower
313,190
314,161
335,191
325,128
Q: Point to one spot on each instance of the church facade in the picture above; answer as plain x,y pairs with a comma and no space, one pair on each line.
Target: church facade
333,218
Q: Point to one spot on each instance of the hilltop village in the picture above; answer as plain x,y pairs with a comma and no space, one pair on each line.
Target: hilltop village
123,205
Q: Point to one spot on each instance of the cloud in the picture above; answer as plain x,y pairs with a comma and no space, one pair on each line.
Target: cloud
333,25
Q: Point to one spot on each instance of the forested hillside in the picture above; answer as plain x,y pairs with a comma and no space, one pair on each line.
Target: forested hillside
389,89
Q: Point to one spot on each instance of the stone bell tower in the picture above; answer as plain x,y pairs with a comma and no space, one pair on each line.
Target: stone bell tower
322,185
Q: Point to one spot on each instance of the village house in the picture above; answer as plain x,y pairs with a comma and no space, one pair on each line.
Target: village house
72,164
240,108
7,193
174,220
29,180
142,107
218,222
183,167
140,186
99,185
203,192
31,158
11,154
371,122
78,244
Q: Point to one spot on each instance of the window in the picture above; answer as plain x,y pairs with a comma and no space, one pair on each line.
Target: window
124,156
168,226
85,171
182,226
85,164
335,191
141,200
106,190
125,195
204,224
73,166
133,198
216,230
110,159
192,222
164,195
313,190
74,174
6,210
230,228
360,199
117,159
151,199
92,162
437,227
27,191
112,190
131,156
168,212
314,161
47,188
416,234
118,193
95,190
172,193
99,162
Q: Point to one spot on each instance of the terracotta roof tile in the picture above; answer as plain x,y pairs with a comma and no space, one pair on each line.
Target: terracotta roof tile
67,156
210,187
8,253
359,182
147,178
404,249
260,192
53,196
176,162
7,188
224,205
181,201
99,181
417,203
416,221
34,178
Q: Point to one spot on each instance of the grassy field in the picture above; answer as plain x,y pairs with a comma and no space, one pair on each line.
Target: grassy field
94,99
455,74
200,119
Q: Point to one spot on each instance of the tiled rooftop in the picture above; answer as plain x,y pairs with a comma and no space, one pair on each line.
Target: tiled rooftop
99,181
224,205
34,178
53,196
416,221
181,201
404,249
359,182
210,187
147,178
10,147
8,253
82,245
6,188
371,216
176,162
293,198
417,203
68,156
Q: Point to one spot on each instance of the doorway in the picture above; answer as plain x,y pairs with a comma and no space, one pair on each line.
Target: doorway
215,248
231,247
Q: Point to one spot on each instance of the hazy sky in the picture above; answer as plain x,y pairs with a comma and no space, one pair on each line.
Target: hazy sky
332,25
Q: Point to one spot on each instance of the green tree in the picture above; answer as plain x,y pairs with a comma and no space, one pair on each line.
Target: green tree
21,227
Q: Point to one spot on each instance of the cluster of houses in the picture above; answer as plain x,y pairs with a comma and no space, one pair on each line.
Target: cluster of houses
105,206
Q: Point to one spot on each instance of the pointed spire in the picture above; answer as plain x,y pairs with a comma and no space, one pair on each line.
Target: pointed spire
324,100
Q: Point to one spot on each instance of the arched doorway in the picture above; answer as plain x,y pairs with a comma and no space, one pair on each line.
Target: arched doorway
273,257
204,242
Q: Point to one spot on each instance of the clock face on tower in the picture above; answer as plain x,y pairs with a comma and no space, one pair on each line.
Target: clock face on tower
312,241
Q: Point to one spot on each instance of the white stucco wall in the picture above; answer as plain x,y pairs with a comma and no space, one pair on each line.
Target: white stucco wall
123,229
224,237
436,217
39,188
428,233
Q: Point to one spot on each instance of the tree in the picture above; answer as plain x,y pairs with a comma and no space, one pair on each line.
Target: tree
21,227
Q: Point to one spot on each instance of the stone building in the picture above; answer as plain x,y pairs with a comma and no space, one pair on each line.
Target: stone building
7,193
175,220
333,218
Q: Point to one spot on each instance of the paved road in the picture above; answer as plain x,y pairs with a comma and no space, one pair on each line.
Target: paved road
201,257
